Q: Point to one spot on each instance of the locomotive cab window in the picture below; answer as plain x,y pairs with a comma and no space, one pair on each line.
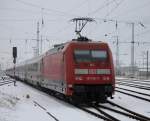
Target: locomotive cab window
99,54
90,55
82,55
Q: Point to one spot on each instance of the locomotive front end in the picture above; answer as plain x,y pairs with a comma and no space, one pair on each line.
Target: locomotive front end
92,72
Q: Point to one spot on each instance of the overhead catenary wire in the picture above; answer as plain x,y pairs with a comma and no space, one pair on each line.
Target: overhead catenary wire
46,9
31,11
62,29
142,33
101,7
132,10
23,10
77,6
114,8
16,20
28,20
18,10
139,34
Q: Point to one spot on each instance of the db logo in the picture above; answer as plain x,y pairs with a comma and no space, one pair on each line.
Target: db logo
92,71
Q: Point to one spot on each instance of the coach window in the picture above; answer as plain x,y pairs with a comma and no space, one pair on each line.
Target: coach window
41,64
35,66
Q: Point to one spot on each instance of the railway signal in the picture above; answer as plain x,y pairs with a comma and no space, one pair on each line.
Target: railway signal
14,54
14,61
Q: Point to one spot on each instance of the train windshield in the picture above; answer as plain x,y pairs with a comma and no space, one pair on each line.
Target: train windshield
90,55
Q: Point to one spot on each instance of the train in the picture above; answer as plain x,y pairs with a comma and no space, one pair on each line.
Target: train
80,69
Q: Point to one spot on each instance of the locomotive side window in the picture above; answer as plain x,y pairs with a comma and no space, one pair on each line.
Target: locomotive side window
89,55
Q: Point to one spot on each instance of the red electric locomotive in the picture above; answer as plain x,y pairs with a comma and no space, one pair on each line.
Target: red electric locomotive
80,70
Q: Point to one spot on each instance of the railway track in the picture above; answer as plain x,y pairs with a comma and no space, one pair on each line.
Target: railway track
44,109
142,98
5,82
134,82
144,94
129,113
106,116
99,110
87,108
100,116
134,85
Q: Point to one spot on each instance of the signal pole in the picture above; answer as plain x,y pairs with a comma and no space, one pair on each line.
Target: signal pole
41,45
117,56
38,41
147,64
132,50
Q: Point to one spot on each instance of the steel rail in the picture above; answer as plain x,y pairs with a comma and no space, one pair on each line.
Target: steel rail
136,86
134,82
1,84
106,114
36,103
120,112
94,114
133,91
142,98
140,116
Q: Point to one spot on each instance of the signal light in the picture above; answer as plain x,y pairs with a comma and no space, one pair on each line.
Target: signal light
14,52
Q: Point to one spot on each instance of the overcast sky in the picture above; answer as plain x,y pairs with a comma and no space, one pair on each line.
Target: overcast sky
18,24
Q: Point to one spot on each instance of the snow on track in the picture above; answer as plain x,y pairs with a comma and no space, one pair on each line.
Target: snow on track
17,104
132,103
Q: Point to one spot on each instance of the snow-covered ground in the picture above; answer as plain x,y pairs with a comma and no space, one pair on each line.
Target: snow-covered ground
138,105
19,103
134,104
15,106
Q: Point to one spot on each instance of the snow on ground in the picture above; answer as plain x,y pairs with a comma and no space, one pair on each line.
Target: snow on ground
19,103
15,106
134,89
132,103
138,105
121,78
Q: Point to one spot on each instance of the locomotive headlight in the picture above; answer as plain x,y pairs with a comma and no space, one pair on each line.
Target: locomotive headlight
105,78
70,85
108,78
78,78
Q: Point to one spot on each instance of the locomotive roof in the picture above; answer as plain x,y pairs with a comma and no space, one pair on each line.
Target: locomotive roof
57,48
